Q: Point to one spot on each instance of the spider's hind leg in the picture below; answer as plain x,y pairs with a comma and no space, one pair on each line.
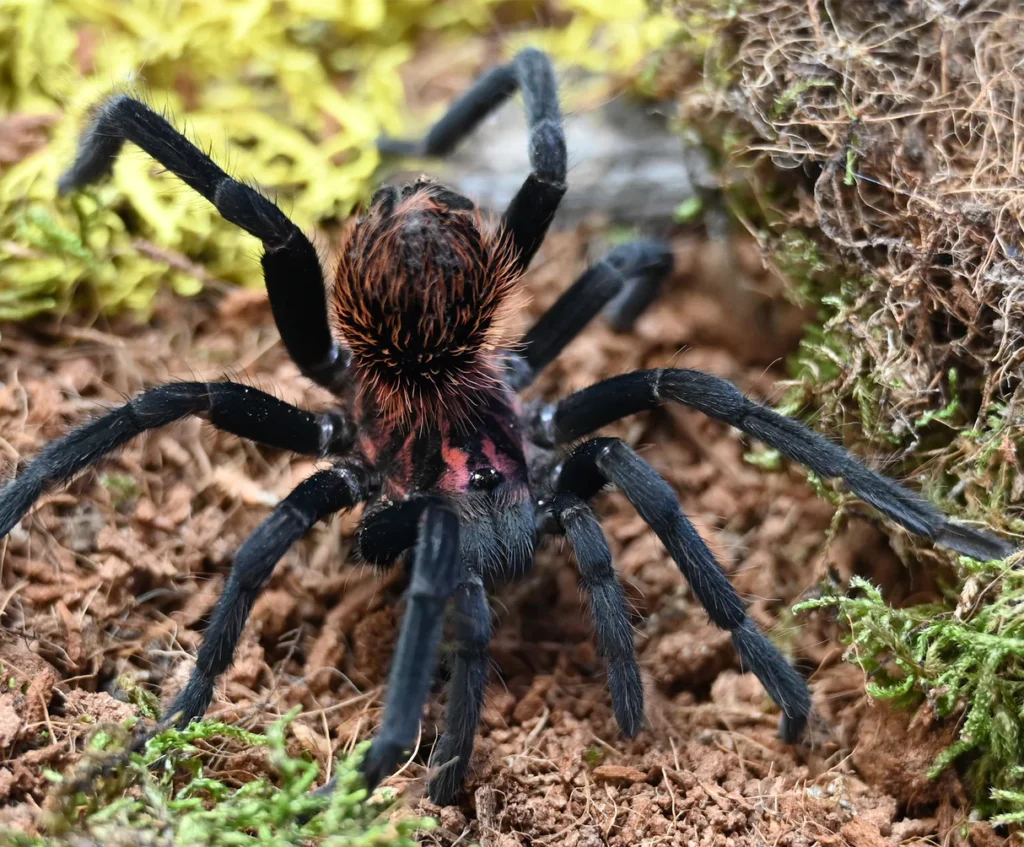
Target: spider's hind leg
645,266
623,283
291,266
485,95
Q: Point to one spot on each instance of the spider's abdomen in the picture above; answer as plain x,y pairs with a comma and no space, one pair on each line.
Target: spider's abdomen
418,299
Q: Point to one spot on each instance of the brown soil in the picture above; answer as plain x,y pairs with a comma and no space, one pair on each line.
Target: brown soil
106,580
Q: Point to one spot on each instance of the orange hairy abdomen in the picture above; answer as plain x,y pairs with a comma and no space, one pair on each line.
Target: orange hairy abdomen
418,299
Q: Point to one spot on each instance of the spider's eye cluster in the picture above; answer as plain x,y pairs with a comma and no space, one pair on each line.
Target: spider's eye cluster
418,299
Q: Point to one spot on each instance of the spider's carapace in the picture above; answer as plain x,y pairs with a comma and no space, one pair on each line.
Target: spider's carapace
420,297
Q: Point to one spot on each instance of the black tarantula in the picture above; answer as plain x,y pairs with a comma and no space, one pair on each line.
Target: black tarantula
428,431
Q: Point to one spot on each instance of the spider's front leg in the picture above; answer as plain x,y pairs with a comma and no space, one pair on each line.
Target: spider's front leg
466,690
229,406
383,537
291,266
624,283
612,399
600,461
437,570
532,209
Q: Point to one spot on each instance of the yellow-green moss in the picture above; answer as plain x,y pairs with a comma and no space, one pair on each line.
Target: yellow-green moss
290,93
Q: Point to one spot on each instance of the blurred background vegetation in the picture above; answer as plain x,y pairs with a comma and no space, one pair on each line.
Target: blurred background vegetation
289,93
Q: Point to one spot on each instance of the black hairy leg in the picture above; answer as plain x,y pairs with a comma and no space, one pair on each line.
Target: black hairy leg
291,266
230,406
602,460
532,209
436,567
320,495
623,283
453,750
324,493
644,265
615,398
436,572
608,607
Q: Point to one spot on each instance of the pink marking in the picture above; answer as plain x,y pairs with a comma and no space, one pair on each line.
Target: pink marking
506,466
457,473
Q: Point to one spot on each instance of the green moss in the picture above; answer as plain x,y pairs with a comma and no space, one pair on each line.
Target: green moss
965,657
124,489
764,457
792,94
799,259
851,167
177,802
688,210
145,701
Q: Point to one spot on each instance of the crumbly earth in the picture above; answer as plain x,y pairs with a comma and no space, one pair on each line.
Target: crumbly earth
113,579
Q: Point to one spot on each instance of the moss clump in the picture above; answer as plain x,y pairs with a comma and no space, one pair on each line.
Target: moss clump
871,147
966,657
289,94
173,800
876,157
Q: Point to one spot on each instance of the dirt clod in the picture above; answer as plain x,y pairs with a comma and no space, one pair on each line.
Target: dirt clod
619,773
897,749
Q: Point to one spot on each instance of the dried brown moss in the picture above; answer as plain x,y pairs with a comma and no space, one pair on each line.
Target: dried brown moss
882,143
875,149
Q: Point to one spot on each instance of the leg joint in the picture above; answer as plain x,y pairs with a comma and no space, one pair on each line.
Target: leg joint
474,638
547,152
332,370
336,434
474,650
245,207
542,425
610,446
657,375
358,481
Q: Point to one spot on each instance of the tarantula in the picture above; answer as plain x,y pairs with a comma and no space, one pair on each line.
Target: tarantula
428,432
